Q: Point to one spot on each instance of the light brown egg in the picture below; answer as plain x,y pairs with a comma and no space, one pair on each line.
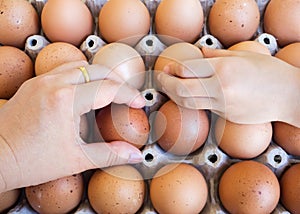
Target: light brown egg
2,102
178,188
117,189
290,54
55,54
16,68
285,29
242,140
8,199
179,130
67,21
249,187
123,60
18,20
124,21
290,189
57,196
252,46
233,21
177,20
120,122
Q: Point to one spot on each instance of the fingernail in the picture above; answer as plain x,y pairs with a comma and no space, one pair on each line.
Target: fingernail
139,102
135,158
166,69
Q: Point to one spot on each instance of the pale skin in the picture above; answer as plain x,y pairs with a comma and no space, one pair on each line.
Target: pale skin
243,87
39,129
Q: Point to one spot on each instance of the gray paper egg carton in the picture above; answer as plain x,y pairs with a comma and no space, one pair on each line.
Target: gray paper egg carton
208,159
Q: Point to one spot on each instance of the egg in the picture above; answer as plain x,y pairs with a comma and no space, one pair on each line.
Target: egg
9,199
290,54
252,46
286,29
290,189
179,130
2,102
18,21
123,60
242,141
16,68
178,188
249,187
117,189
67,21
121,122
178,20
124,21
58,196
55,54
233,21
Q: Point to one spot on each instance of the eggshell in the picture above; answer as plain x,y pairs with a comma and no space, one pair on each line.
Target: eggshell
18,20
242,140
290,54
282,20
124,21
233,21
120,122
177,20
55,54
16,68
179,130
290,189
8,199
124,60
249,187
178,188
67,21
252,46
57,196
116,189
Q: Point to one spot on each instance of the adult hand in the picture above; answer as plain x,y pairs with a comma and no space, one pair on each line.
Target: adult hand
39,129
243,87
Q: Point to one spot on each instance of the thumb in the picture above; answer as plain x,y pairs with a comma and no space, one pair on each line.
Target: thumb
101,155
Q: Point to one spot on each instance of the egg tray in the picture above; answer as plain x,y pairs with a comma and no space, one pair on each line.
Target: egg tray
209,159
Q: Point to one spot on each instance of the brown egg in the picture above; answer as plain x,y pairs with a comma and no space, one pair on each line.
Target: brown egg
18,20
124,60
177,52
249,187
55,54
290,189
233,21
252,46
286,29
120,122
290,54
67,21
2,102
178,188
57,196
179,130
177,20
8,199
16,68
116,189
242,140
124,21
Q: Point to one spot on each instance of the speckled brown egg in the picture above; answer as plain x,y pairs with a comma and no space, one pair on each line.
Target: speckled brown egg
249,187
120,122
290,189
179,130
233,21
117,189
177,20
282,20
18,21
57,196
55,54
178,188
16,68
8,199
290,54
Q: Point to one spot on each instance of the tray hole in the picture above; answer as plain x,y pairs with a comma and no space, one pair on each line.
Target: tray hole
213,158
33,42
91,43
267,41
149,42
149,157
149,96
277,159
209,41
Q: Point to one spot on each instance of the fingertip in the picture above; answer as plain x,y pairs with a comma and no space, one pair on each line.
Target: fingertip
138,102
